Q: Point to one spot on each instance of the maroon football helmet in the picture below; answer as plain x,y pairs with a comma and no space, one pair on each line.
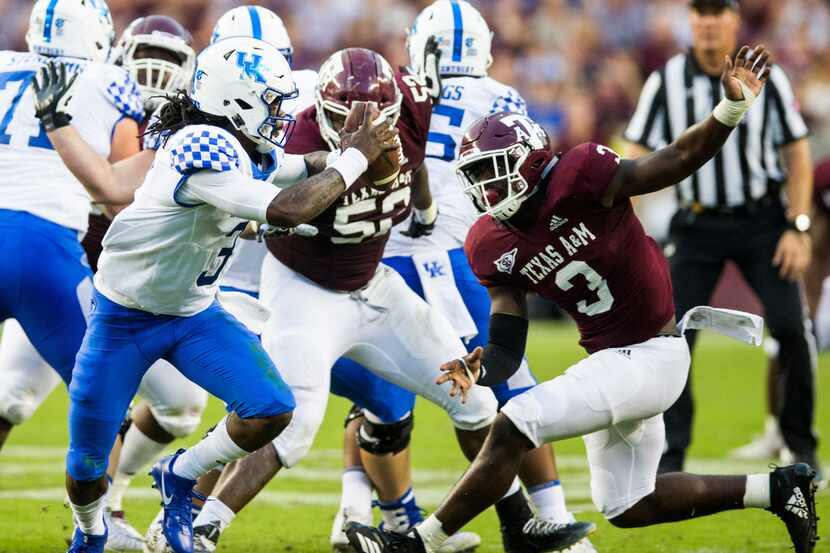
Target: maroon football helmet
501,162
354,74
157,52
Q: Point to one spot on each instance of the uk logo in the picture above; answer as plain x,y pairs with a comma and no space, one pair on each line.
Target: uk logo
250,65
505,263
434,269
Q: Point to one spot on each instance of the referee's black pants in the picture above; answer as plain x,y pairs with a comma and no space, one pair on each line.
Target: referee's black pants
698,247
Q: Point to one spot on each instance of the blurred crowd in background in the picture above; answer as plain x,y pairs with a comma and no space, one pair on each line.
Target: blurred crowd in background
579,63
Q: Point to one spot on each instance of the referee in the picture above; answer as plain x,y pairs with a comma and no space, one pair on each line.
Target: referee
732,209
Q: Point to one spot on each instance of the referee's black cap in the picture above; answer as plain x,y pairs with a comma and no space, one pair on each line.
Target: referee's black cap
698,4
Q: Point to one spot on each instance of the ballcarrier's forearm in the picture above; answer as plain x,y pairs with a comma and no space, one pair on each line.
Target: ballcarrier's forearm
305,201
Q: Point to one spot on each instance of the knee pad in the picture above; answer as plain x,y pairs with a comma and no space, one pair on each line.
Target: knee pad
179,423
16,410
382,439
85,467
354,413
295,441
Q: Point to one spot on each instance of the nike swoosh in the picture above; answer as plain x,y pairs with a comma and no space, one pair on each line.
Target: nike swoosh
166,498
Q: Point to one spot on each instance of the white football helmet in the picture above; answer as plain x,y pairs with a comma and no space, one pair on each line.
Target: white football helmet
462,34
73,28
246,80
257,22
147,49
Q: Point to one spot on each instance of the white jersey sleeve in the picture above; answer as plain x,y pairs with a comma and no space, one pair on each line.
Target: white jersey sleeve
166,252
35,179
463,101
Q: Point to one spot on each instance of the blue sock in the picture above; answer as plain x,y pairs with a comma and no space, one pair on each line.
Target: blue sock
401,514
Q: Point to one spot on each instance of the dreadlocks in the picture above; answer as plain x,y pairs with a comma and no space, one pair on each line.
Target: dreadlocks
177,112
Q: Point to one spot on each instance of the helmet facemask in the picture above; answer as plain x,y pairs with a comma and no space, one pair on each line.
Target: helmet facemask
276,128
493,182
155,75
331,117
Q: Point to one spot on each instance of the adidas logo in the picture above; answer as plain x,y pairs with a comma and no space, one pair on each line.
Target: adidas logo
625,352
797,505
556,222
367,545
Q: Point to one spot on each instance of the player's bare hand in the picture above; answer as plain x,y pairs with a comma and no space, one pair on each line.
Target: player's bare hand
792,255
750,68
373,137
462,373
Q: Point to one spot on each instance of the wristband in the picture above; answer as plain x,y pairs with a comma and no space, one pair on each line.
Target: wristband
730,112
426,216
351,164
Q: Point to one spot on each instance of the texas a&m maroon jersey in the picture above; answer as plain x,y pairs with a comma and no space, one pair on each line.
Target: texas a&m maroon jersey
353,231
596,263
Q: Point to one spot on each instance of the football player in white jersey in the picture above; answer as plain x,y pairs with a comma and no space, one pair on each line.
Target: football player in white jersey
449,45
43,208
155,291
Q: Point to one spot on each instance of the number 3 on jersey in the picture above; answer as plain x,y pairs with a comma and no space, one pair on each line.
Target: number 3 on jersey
595,283
18,125
206,278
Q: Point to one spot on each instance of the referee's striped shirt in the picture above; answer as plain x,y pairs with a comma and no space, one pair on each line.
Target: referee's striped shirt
749,165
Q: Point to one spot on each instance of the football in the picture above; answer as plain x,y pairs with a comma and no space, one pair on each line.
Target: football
386,167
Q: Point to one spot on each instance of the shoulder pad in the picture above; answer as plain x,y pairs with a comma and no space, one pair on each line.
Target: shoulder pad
124,94
206,148
509,100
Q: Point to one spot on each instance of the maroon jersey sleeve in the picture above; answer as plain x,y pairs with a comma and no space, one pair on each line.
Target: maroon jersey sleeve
483,247
585,172
416,113
821,187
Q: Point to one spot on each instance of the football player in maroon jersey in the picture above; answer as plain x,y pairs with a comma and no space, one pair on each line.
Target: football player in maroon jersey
564,227
332,286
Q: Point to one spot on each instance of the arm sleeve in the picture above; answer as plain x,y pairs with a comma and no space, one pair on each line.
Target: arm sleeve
291,171
505,349
229,191
786,106
124,94
647,123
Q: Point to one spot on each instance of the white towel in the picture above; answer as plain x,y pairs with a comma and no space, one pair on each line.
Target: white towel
744,327
437,279
247,310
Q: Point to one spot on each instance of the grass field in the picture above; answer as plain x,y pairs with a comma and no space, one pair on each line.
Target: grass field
295,512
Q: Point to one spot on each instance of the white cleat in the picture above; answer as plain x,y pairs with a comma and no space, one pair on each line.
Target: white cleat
122,536
154,540
339,541
766,446
461,542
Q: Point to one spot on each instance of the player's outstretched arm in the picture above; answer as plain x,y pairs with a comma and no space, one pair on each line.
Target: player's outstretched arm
505,348
106,183
743,79
309,198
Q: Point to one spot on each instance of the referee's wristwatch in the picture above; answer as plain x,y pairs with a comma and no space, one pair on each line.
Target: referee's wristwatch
801,223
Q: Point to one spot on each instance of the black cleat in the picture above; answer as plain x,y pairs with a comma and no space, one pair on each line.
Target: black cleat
793,500
366,539
538,536
205,537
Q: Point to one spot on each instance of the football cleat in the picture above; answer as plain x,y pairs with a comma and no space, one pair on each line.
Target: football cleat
154,540
584,546
461,542
176,494
792,499
205,537
85,543
366,539
539,535
122,536
339,541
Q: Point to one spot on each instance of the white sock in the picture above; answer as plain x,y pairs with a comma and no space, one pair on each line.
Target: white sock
215,511
215,449
757,491
118,487
514,487
432,534
89,518
137,452
356,495
549,499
